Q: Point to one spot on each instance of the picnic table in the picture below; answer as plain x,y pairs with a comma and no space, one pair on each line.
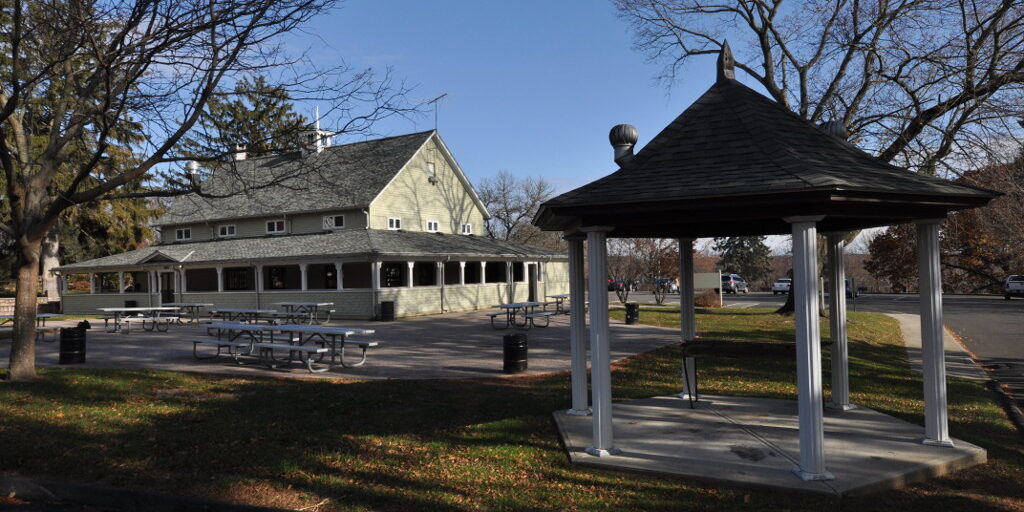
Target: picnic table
512,310
241,314
119,314
560,302
299,311
307,341
40,318
190,308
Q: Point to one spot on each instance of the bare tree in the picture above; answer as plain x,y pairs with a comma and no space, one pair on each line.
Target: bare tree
513,202
75,76
921,83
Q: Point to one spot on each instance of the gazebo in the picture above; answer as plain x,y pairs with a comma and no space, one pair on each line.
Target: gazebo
736,163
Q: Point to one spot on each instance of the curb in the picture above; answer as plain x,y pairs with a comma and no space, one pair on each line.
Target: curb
56,492
1009,405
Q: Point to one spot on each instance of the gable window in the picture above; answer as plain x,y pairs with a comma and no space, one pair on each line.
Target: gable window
183,234
275,227
334,222
226,230
467,229
394,223
430,169
432,226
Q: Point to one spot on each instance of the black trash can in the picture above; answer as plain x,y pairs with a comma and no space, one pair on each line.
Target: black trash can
131,303
72,345
387,311
515,353
632,313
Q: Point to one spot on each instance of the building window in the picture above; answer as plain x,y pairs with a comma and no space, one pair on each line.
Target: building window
201,279
473,273
183,234
334,222
393,275
322,276
518,272
394,223
496,272
424,273
430,169
227,230
282,277
239,278
275,227
467,229
432,226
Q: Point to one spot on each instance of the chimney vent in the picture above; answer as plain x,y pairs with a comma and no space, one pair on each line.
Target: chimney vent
239,153
835,129
623,137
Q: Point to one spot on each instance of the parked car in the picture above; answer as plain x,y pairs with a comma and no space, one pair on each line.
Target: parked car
733,283
621,285
667,284
782,285
1014,287
850,292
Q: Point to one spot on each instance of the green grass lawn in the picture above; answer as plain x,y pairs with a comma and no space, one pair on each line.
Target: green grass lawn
483,444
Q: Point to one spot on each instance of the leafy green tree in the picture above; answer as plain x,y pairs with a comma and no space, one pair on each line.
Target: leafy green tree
254,115
747,256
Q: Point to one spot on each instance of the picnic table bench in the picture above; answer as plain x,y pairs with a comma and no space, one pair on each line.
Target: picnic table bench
546,315
41,331
154,322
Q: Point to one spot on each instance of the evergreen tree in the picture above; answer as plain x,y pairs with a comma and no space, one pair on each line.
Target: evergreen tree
747,256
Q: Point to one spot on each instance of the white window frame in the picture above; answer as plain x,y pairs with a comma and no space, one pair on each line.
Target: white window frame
182,234
433,226
330,222
223,227
394,223
284,227
431,170
467,228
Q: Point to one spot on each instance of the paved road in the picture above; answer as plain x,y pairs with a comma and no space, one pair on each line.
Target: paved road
991,328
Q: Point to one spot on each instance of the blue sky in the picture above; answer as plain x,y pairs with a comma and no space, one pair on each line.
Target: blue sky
533,86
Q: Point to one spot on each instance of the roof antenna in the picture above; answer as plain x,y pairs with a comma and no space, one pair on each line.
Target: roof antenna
434,103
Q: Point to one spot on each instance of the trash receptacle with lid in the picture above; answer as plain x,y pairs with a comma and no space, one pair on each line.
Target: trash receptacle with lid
632,313
387,311
72,345
515,353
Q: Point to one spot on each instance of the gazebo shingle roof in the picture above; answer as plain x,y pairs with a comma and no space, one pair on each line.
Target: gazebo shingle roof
737,154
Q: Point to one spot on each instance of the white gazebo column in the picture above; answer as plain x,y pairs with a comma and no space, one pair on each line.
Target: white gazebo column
837,323
220,279
578,327
687,315
411,264
933,355
601,374
808,350
462,272
339,276
303,282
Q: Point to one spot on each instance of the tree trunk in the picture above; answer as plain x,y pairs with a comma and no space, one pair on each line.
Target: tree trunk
23,347
49,260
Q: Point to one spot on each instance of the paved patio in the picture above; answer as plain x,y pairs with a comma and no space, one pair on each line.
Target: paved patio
459,345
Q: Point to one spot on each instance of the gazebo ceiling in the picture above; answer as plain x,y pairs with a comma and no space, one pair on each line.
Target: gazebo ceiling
738,163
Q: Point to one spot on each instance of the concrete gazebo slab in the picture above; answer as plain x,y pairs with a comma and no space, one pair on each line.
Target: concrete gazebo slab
754,442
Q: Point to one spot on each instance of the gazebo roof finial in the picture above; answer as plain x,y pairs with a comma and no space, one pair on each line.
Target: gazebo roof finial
726,63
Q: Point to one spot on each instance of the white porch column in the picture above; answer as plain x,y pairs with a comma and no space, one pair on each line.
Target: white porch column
462,272
601,375
837,323
259,278
375,276
409,280
577,327
687,314
933,355
220,279
808,350
120,282
92,282
159,285
183,280
303,282
339,276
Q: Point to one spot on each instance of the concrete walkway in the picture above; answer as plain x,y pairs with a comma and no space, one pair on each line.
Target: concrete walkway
460,345
958,361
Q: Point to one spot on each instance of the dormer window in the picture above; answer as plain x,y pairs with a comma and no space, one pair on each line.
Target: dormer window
433,225
394,223
467,229
334,222
181,234
226,230
275,227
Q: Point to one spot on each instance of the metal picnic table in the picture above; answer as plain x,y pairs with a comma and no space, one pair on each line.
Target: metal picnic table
512,310
119,313
191,308
331,338
560,302
303,310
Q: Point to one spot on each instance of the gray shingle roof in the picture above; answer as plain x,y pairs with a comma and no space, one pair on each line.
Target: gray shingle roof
735,146
342,243
340,177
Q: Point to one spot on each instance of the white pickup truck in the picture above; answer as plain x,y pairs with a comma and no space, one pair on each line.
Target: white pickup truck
1014,287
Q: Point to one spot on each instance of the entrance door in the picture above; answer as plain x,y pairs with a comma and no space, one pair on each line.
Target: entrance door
167,287
532,280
